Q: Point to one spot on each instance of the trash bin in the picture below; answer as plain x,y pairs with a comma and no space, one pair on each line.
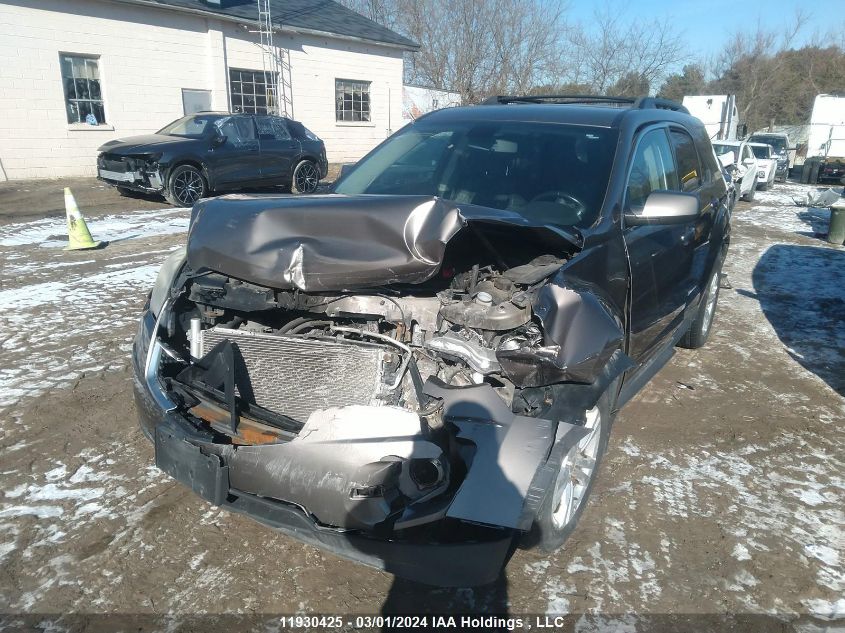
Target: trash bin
836,232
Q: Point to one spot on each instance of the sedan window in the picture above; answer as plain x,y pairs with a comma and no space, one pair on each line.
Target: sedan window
721,150
271,128
778,142
191,126
238,130
762,151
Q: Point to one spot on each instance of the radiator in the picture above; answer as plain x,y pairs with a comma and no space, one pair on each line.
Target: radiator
294,376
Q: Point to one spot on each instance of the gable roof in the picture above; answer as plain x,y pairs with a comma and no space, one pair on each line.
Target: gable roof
316,17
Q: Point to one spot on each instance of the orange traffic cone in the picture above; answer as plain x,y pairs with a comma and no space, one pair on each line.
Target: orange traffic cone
78,236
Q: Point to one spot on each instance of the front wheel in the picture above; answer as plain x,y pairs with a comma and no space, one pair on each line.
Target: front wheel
562,508
699,331
185,186
306,177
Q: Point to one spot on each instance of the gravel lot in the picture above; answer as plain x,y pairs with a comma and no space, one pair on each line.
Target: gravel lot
719,506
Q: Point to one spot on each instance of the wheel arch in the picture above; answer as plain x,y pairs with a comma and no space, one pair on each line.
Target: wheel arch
191,161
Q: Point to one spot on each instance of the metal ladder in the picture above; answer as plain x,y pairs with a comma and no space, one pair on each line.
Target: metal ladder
275,63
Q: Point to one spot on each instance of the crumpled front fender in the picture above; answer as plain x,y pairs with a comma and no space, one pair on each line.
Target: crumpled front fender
581,334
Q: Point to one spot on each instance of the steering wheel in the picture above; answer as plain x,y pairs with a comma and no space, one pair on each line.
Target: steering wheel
560,197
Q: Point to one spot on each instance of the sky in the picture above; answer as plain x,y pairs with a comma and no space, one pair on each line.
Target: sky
707,24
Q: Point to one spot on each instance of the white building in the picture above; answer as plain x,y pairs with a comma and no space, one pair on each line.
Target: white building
418,100
136,65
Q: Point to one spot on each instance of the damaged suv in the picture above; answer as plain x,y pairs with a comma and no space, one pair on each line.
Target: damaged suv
420,370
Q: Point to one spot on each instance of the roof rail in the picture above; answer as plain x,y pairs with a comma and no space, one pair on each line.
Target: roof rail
501,99
639,103
659,103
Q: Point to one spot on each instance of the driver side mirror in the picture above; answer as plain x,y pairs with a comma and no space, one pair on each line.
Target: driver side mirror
748,162
665,207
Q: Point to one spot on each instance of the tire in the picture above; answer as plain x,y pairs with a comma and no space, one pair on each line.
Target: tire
557,517
305,178
699,330
185,186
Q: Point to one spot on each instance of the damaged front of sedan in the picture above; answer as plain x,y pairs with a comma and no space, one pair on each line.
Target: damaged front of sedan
417,372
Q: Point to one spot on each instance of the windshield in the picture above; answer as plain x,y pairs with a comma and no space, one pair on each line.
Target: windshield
551,173
761,151
191,126
726,149
778,142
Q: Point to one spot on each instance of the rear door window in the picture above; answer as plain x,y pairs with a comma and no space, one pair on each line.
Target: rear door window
271,128
689,167
653,169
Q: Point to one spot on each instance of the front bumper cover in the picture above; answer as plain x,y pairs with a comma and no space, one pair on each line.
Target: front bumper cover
441,563
467,544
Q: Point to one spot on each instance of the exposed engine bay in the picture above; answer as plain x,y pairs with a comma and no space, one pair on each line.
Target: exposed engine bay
369,348
425,384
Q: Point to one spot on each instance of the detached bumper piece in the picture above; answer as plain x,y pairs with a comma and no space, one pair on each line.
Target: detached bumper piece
180,453
130,173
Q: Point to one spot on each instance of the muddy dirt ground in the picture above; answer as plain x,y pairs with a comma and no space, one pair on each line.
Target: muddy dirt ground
719,505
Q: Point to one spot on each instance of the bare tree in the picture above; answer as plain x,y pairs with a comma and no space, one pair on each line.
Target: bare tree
385,12
475,47
479,48
690,81
752,66
613,53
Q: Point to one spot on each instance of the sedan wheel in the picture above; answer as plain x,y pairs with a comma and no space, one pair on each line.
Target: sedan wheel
306,177
186,186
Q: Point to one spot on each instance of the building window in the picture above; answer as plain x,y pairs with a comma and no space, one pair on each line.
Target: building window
250,92
83,96
352,100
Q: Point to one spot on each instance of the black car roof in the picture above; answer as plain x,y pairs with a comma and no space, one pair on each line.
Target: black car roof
573,114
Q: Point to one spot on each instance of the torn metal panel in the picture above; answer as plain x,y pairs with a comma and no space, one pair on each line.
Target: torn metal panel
581,334
346,467
509,450
335,242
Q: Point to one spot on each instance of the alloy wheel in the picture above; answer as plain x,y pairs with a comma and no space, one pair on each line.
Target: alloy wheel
710,306
307,178
187,187
577,471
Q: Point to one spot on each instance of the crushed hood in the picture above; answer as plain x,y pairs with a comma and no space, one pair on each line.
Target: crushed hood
335,242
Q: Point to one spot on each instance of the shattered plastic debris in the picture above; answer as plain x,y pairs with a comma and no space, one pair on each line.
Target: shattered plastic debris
821,197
